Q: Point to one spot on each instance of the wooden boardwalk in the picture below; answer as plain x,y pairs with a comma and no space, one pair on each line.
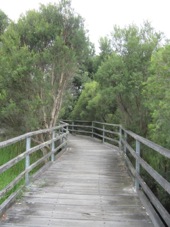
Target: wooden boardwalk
88,186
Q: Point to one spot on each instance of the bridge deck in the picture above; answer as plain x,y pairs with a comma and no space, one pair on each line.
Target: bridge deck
87,186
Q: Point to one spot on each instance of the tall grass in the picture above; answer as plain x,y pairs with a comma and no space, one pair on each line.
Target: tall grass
8,153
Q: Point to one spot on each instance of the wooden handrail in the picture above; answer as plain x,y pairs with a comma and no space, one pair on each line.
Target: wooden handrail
58,133
165,152
30,134
115,134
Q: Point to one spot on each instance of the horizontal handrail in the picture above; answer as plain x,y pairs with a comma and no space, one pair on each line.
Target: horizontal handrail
165,152
80,131
104,130
57,134
115,134
103,123
164,183
30,134
83,126
70,121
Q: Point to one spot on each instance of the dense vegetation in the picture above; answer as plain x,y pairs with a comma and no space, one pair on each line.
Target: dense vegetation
39,56
8,153
48,70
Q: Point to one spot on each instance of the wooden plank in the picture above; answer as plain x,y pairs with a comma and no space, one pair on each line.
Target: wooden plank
158,178
152,213
87,185
112,132
104,130
102,123
162,211
79,131
29,134
165,152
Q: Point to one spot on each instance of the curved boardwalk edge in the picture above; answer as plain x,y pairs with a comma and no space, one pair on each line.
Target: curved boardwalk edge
87,186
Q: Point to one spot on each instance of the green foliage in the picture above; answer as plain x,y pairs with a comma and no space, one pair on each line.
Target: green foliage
105,48
93,104
4,22
39,56
82,109
157,91
16,66
46,57
121,70
6,155
132,87
125,70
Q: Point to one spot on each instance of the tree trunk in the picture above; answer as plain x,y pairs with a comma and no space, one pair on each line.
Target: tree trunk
57,101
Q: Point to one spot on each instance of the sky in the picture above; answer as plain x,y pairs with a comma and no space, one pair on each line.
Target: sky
101,15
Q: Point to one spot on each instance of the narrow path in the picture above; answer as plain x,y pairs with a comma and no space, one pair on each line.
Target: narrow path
88,186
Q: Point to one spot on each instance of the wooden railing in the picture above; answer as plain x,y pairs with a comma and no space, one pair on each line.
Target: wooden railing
52,140
133,148
131,145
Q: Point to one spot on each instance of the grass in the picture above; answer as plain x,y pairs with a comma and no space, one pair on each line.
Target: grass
6,177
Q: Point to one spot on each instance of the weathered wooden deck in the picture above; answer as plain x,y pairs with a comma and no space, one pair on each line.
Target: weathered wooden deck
88,186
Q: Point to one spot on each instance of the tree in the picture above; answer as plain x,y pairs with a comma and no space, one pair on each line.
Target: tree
15,81
157,93
105,48
125,71
85,108
94,104
157,99
44,50
4,22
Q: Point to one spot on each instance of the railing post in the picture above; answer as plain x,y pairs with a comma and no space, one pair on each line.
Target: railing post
67,131
125,138
27,160
66,137
72,127
137,164
120,137
53,146
92,128
103,133
60,130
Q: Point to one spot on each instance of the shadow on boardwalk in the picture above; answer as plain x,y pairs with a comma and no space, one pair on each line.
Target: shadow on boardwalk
88,186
